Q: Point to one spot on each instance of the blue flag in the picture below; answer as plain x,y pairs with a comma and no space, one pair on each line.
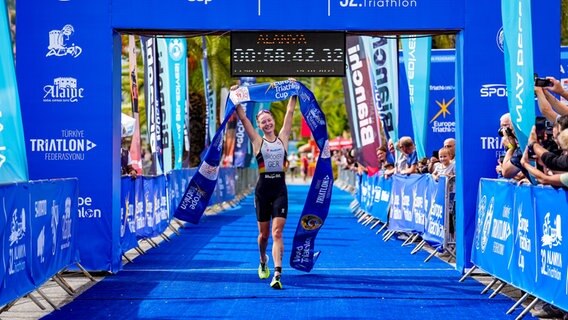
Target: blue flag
416,54
316,208
13,162
517,29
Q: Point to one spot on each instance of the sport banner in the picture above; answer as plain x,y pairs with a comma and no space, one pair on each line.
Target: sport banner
435,230
416,52
13,161
519,69
135,148
177,53
493,233
210,97
127,206
409,202
383,53
316,207
166,103
381,197
153,105
359,98
551,250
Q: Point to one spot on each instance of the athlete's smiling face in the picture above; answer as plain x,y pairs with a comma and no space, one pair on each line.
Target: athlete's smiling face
265,121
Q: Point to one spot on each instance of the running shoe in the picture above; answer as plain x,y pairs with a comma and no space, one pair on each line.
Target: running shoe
263,270
275,283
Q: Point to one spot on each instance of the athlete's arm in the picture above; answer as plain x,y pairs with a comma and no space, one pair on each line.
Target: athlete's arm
253,135
284,134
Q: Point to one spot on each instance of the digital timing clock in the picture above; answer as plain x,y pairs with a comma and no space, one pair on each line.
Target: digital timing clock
288,53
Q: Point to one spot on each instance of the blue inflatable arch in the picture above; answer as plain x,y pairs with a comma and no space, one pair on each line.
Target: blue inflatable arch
77,41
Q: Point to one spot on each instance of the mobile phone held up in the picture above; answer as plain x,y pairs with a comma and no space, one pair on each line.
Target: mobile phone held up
542,82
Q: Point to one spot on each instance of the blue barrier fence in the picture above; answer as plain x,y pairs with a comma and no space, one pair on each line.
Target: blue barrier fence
519,239
38,224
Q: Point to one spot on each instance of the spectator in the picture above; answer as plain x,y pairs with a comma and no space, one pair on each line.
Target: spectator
446,167
293,165
126,161
450,144
558,179
407,163
549,159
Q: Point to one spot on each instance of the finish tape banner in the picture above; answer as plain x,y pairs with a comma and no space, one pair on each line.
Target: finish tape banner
314,213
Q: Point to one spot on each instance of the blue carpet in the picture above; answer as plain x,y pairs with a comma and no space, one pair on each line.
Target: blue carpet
209,272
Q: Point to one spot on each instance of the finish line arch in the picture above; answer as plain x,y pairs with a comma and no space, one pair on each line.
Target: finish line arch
75,41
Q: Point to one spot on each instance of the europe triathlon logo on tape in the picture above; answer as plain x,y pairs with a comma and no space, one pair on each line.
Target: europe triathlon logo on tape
60,43
63,89
311,222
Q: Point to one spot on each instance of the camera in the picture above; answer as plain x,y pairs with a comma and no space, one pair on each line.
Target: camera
543,129
542,82
505,131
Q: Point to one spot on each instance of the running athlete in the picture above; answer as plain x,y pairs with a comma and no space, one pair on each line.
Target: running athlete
271,194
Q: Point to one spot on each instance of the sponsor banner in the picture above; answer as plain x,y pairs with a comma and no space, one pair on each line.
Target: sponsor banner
166,103
517,32
441,101
153,103
381,197
383,53
520,240
437,215
135,147
13,161
494,236
359,98
416,54
210,97
127,210
39,235
409,202
177,54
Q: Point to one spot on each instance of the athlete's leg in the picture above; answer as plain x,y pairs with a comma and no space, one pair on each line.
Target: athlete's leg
277,242
263,234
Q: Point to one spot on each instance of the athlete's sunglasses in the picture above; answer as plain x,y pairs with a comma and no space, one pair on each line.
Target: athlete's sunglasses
263,111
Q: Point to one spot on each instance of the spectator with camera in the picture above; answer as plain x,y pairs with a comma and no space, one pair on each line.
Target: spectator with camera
542,146
555,179
548,104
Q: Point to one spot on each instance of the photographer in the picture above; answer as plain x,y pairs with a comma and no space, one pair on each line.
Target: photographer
558,179
544,150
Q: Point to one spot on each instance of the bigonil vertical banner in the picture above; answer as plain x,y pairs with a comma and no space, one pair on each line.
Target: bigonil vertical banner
363,118
416,52
384,73
135,149
165,103
153,108
177,53
517,30
13,161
